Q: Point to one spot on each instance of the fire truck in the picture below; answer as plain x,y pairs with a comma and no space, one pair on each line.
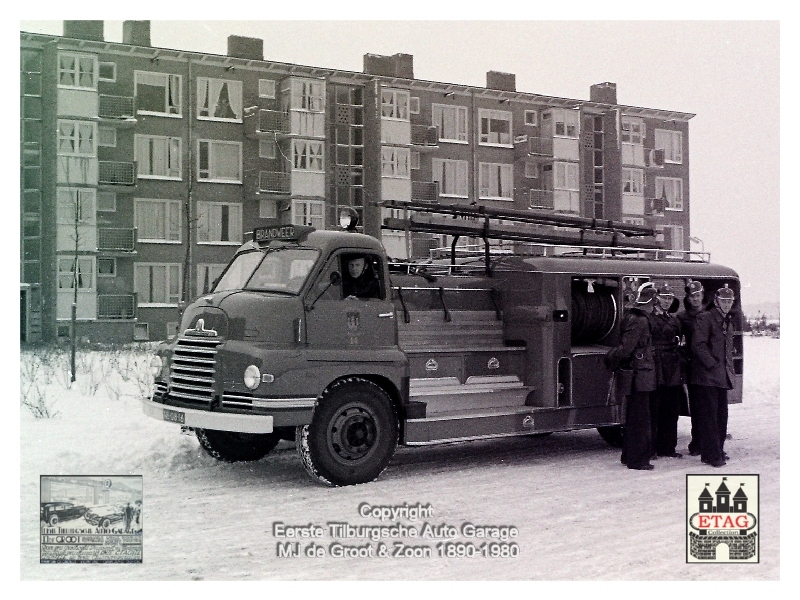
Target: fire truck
317,337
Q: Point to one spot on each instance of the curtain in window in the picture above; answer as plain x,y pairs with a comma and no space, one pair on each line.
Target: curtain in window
225,161
151,219
66,137
86,71
66,70
86,139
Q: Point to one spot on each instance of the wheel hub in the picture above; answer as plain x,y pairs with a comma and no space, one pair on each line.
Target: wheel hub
352,433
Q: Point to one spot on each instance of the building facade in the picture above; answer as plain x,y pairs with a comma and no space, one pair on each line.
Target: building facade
144,168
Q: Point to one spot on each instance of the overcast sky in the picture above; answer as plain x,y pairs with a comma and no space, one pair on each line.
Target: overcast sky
726,72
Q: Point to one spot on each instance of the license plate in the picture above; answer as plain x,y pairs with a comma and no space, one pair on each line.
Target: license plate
174,416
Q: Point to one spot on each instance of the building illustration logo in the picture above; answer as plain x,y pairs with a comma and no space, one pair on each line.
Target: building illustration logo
722,526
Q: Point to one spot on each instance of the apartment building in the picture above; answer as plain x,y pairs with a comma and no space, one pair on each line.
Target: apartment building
144,168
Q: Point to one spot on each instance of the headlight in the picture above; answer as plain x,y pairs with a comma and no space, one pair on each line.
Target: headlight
252,377
155,365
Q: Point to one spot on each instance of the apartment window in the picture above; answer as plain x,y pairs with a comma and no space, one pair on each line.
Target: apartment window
531,118
395,162
452,176
76,138
565,176
670,188
219,222
157,284
157,157
266,88
308,155
450,122
107,137
157,220
496,181
394,104
77,71
673,237
206,275
671,142
157,93
632,131
267,149
67,277
219,99
106,267
633,181
495,127
531,170
413,105
267,209
633,220
309,95
309,212
107,71
414,160
565,123
106,201
219,162
76,204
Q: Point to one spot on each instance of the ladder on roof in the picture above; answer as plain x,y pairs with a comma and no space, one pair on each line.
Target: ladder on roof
476,221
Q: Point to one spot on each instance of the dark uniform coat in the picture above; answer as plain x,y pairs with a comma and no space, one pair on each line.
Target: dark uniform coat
712,350
636,350
666,331
687,318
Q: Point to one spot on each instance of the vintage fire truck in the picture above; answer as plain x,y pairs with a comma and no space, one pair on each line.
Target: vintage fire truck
314,336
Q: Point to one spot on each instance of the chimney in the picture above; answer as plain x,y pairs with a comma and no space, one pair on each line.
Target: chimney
84,30
245,47
397,65
136,33
603,92
495,80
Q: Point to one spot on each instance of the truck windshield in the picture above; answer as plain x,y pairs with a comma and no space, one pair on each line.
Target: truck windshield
278,270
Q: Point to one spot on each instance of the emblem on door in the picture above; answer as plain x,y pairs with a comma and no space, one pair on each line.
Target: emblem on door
353,320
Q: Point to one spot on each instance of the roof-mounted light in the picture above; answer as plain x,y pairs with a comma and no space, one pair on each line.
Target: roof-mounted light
348,218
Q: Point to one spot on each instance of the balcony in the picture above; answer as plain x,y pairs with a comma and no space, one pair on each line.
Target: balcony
541,147
274,182
117,173
116,306
424,137
540,199
116,239
118,110
425,191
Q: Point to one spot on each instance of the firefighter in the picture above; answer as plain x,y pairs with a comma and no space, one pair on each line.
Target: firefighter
360,280
665,400
636,352
712,375
692,306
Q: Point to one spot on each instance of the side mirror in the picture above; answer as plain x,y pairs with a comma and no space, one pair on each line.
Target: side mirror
336,278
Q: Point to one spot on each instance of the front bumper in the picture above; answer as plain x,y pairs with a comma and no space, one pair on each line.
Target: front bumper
203,419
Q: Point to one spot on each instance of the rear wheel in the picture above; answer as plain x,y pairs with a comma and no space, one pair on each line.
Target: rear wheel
352,436
231,446
614,435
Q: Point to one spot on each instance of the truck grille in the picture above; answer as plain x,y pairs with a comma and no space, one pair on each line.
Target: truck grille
192,370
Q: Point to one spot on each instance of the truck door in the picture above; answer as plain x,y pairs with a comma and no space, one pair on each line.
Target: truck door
351,310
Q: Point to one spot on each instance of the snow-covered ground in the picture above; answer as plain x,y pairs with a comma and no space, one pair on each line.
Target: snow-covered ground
580,514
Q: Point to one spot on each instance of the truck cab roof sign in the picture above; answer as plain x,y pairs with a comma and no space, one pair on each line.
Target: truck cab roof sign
285,233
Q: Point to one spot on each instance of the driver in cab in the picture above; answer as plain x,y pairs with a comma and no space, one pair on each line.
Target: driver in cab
360,279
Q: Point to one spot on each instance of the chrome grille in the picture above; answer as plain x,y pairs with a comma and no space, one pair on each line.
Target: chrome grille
192,370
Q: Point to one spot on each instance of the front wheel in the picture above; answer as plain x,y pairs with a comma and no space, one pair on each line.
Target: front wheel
53,521
230,446
613,435
353,434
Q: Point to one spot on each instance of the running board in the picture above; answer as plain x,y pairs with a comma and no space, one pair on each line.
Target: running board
456,426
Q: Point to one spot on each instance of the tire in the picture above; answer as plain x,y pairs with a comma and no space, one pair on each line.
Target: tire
353,434
105,523
53,521
230,446
613,435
